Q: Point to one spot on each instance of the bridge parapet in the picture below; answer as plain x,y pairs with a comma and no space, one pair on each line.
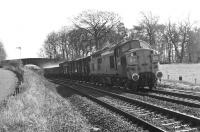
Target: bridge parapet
41,62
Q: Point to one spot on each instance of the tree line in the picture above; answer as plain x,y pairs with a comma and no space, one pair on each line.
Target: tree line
177,42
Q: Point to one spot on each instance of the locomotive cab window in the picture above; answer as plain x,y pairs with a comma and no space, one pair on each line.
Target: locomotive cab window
111,62
135,44
132,59
125,47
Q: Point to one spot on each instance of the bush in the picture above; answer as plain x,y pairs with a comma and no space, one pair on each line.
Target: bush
15,66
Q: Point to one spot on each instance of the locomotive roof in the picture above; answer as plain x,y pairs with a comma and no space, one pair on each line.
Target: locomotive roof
81,58
107,52
74,60
120,44
98,52
108,49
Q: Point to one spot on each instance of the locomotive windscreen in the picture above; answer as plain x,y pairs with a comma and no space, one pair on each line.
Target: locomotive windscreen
135,44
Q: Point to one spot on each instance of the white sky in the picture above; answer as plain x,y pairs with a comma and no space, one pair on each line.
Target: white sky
26,23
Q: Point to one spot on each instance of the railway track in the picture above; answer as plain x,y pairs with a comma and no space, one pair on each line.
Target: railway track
185,99
178,98
152,117
187,91
180,93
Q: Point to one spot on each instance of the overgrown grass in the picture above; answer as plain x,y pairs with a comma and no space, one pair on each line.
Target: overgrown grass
38,109
36,69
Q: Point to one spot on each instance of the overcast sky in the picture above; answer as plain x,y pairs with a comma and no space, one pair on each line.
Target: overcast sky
26,23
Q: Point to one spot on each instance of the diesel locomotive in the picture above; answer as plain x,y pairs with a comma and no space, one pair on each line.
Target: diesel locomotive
132,64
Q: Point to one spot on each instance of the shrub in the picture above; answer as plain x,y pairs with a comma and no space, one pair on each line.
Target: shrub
15,66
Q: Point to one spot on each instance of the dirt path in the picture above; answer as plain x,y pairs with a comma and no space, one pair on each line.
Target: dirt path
8,82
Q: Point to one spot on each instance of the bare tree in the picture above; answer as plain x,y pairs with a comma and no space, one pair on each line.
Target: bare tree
63,43
92,30
149,23
41,53
193,48
179,37
51,45
97,24
138,32
118,35
167,47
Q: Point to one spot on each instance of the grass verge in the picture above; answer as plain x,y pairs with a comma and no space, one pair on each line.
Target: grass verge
38,109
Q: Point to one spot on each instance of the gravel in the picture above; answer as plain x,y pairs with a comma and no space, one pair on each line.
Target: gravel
165,104
147,115
101,117
178,107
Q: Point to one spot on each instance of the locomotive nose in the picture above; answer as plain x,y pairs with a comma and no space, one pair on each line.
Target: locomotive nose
159,74
135,77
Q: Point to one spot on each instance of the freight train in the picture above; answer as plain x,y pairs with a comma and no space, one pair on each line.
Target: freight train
132,64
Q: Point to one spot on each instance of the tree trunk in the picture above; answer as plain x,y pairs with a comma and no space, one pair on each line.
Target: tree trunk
182,52
169,53
63,53
190,58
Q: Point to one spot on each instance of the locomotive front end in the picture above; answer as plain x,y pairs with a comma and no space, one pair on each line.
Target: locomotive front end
142,67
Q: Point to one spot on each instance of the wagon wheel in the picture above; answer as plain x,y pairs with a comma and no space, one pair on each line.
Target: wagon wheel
92,79
112,81
101,81
152,86
128,85
135,86
105,81
131,85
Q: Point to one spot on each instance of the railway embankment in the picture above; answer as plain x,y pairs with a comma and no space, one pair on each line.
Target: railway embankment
8,82
37,109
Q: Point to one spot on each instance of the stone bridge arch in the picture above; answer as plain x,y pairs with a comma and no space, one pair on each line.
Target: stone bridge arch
41,62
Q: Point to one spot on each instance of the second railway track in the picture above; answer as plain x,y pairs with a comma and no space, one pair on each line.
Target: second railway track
174,97
189,100
161,118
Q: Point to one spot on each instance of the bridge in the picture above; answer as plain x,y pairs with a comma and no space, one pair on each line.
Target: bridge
41,62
